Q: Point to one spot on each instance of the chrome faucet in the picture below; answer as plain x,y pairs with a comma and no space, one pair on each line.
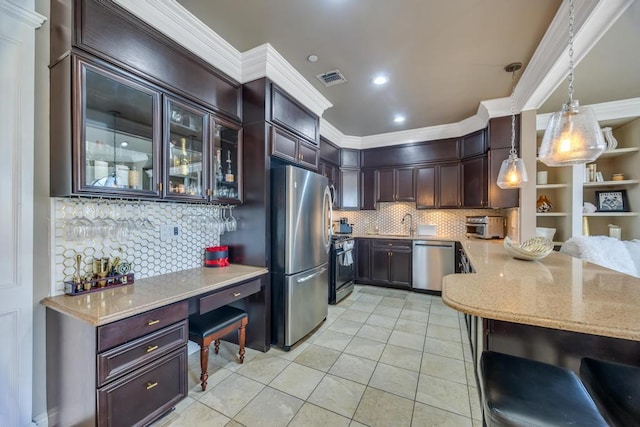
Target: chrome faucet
411,229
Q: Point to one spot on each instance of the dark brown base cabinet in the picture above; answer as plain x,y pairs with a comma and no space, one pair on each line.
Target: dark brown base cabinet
124,373
384,262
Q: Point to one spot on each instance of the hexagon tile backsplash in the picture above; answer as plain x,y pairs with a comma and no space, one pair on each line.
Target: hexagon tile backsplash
96,228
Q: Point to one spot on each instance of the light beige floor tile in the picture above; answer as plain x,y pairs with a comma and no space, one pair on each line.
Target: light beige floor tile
263,368
294,352
337,395
355,315
402,357
443,348
335,311
379,320
444,333
380,409
411,326
471,376
270,408
477,423
395,380
345,326
388,311
232,394
407,340
437,308
353,368
429,416
297,380
366,348
444,394
466,352
345,303
334,340
198,415
444,367
356,424
233,423
370,299
474,401
422,306
228,356
318,357
420,316
363,306
375,333
314,416
216,375
392,302
416,296
442,320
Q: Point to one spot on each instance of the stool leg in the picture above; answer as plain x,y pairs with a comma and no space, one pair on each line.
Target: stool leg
241,338
204,362
217,346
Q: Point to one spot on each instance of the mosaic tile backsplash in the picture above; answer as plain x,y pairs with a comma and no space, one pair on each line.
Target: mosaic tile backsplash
388,218
135,241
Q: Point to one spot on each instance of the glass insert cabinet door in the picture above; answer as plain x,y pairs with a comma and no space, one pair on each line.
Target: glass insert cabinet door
227,151
119,135
186,151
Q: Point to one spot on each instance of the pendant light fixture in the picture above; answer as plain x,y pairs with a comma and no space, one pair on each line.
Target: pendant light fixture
573,135
512,171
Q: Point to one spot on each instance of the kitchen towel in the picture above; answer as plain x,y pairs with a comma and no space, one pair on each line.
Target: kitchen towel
347,259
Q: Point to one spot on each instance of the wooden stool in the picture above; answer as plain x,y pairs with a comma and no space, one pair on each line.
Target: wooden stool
615,388
524,392
211,326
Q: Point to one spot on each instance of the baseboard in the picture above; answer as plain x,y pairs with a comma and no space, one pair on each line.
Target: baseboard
41,420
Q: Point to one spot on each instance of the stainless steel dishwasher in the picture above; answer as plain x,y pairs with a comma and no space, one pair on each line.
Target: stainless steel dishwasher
432,260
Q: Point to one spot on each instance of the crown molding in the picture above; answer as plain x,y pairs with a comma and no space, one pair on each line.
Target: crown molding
549,64
27,16
604,111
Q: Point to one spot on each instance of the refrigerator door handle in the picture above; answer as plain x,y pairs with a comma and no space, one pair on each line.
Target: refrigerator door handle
312,275
326,222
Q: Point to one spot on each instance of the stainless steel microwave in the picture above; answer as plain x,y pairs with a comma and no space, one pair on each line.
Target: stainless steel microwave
485,227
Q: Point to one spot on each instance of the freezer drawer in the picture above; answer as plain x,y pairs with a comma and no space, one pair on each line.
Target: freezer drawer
432,260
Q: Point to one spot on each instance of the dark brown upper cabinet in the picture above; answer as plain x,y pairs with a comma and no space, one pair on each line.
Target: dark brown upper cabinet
349,158
368,189
395,185
332,173
499,137
438,186
349,189
105,132
442,150
291,148
329,152
474,144
288,113
474,183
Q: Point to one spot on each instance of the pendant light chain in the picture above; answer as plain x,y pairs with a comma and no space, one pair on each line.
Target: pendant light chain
571,22
513,113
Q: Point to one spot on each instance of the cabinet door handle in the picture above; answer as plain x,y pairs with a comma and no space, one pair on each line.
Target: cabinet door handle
151,348
236,294
152,322
151,385
301,156
159,186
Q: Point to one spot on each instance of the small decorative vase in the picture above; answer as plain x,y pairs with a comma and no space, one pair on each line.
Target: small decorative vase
611,140
543,204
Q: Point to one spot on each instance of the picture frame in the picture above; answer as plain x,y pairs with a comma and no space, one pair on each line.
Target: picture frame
612,201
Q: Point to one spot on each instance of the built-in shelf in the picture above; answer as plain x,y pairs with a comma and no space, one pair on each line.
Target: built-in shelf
605,214
619,152
611,183
544,186
552,214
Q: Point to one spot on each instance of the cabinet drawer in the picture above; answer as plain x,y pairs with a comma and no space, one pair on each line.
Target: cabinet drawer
146,393
226,296
125,330
127,357
392,244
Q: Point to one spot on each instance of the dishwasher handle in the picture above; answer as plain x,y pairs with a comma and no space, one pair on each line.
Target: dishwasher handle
434,245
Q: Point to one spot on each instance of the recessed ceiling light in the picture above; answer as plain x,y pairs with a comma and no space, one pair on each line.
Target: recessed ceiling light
124,144
312,58
380,80
399,119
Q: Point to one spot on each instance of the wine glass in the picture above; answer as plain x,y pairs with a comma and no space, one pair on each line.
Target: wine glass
232,223
79,227
104,225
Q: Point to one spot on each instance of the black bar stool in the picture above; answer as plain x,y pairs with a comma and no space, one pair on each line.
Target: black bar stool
213,325
615,388
524,392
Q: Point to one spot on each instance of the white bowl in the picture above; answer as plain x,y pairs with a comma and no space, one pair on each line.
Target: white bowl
531,250
545,232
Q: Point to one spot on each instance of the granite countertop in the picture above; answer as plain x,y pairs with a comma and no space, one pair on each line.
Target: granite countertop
446,237
109,305
558,292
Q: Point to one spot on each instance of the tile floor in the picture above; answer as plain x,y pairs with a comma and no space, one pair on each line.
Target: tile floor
383,357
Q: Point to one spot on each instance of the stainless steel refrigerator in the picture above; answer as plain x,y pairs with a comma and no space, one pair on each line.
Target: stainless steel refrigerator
301,237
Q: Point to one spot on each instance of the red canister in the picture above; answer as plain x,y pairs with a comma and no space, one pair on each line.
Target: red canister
216,256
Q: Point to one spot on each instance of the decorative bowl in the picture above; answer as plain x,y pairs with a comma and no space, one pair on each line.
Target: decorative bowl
531,250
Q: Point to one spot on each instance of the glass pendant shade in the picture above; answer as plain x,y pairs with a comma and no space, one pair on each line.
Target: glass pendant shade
573,136
512,172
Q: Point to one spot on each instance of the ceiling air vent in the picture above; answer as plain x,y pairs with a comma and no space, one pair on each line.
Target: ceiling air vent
332,78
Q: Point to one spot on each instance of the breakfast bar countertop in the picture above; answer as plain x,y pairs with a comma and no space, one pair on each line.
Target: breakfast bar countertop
558,292
109,305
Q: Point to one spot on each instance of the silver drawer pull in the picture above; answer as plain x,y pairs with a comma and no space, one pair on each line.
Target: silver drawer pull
151,385
152,322
236,294
151,348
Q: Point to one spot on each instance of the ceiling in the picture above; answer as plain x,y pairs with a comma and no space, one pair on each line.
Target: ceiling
443,57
